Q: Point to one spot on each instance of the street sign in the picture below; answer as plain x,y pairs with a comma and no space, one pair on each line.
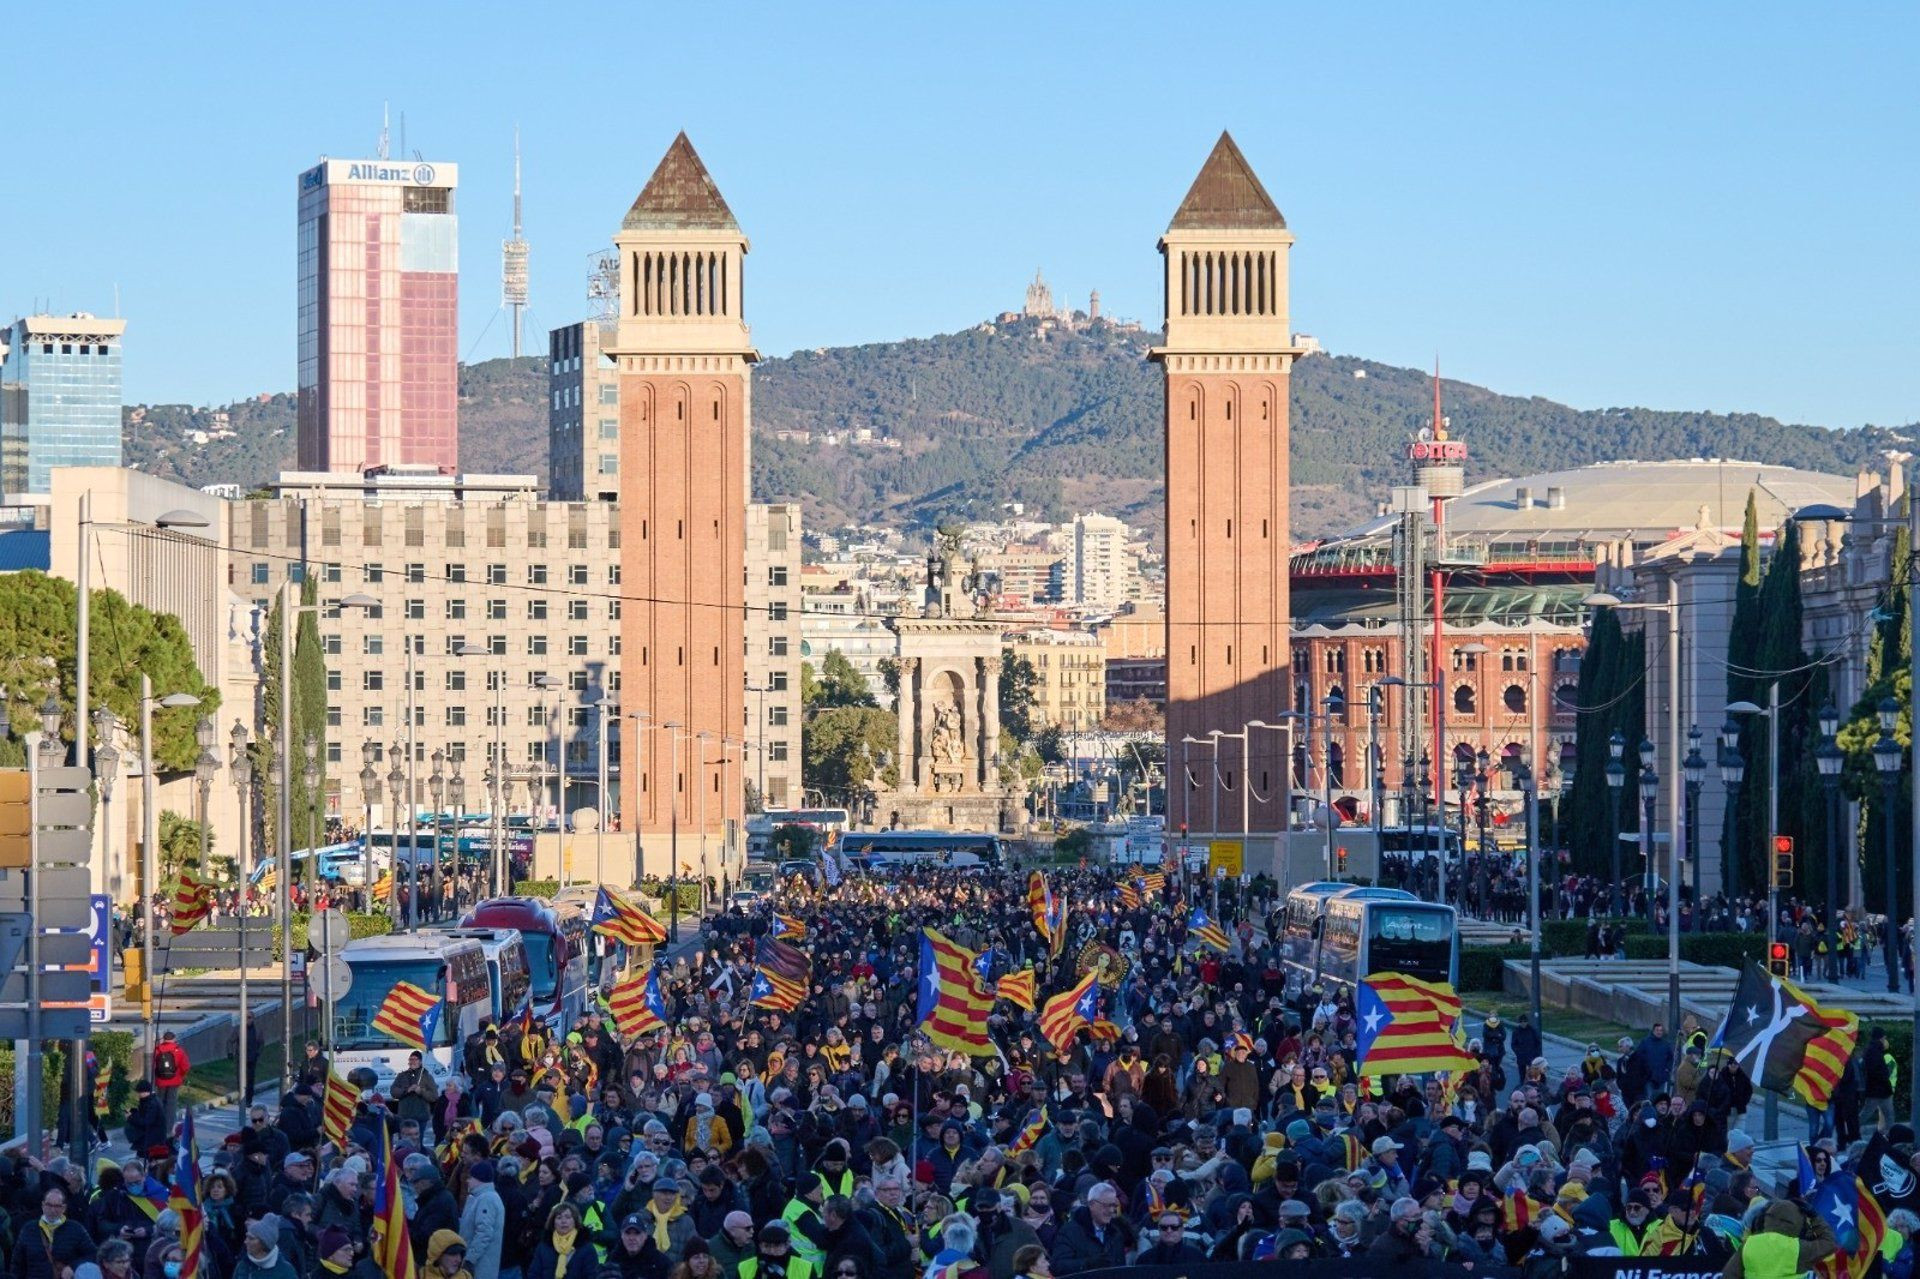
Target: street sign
64,808
331,931
74,913
64,847
72,951
1226,857
55,1023
14,926
55,988
332,980
100,935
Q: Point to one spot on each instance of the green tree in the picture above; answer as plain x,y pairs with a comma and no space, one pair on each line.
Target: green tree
1889,676
1019,684
1610,700
838,684
792,840
37,658
841,748
180,846
308,808
1050,744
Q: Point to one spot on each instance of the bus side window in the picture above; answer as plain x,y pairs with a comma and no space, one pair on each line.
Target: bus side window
1319,928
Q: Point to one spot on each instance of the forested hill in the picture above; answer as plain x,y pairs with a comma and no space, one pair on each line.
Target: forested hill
1062,420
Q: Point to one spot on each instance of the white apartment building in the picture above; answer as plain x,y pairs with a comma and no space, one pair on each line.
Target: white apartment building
535,584
1101,568
774,647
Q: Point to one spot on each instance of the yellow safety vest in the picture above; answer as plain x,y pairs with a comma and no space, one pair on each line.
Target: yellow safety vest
1770,1256
797,1267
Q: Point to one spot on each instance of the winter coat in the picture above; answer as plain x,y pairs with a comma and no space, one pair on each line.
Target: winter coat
483,1224
1080,1247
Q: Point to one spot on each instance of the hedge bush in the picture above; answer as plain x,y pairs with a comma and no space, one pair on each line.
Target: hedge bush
1560,938
1483,968
543,888
1718,950
359,924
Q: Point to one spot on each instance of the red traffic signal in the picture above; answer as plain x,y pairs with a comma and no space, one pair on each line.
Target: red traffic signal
1783,844
1779,959
1783,861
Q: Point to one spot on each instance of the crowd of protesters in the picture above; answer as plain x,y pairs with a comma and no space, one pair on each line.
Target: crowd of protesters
1214,1113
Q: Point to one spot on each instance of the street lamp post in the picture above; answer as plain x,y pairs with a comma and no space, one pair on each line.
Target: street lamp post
403,915
1733,770
437,792
1647,755
1569,766
1694,769
457,804
1831,762
1523,779
1616,782
1887,759
673,728
607,707
369,790
1463,781
150,837
242,768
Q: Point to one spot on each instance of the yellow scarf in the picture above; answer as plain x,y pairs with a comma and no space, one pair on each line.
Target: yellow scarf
661,1236
563,1244
332,1269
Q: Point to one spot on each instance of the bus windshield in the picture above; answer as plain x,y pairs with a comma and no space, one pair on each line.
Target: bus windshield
1418,943
540,965
354,1011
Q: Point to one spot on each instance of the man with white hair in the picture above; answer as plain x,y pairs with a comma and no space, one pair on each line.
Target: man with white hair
1095,1236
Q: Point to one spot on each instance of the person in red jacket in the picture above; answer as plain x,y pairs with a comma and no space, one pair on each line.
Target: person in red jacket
170,1068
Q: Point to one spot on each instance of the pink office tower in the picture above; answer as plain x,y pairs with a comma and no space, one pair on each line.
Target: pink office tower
379,316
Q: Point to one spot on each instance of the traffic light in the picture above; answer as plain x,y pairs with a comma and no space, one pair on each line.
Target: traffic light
1783,861
1779,959
1343,859
16,820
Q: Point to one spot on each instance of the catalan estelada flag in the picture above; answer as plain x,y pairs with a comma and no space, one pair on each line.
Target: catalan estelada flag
791,928
336,1108
1046,911
1202,928
1353,1151
1153,881
150,1197
1408,1026
409,1014
185,1200
1130,895
776,991
1827,1052
1521,1210
1859,1224
1030,1132
1070,1011
953,1002
192,903
1018,988
392,1249
637,1005
623,920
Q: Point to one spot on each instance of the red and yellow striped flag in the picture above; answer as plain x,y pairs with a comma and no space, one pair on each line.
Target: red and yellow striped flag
1030,1133
1070,1011
409,1014
336,1109
1018,988
615,916
392,1249
953,1002
1827,1052
791,928
192,903
637,1005
1408,1026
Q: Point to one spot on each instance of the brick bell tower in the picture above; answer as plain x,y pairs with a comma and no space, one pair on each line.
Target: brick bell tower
1228,357
683,353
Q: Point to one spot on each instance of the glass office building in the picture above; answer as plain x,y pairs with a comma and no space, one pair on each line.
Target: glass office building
59,399
378,316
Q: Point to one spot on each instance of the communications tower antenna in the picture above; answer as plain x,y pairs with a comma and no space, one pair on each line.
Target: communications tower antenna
383,130
513,260
603,285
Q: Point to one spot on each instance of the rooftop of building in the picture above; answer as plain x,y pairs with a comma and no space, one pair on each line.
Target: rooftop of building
1638,501
77,324
1227,196
680,196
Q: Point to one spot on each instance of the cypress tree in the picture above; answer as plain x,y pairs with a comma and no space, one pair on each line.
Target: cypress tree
1738,832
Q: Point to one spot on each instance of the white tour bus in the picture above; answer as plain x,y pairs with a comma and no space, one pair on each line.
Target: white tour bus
454,968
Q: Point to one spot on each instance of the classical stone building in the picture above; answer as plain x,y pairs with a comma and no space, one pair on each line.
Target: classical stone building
1228,358
949,710
683,352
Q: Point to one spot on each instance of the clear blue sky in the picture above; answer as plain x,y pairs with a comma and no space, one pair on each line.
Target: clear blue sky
1682,206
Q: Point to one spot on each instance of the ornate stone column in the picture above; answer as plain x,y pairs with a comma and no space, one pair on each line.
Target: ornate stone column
907,707
989,678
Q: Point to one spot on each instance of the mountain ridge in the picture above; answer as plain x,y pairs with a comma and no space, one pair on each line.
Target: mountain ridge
1060,416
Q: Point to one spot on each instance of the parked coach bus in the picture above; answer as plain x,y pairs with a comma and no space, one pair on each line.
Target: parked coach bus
1335,934
453,968
555,937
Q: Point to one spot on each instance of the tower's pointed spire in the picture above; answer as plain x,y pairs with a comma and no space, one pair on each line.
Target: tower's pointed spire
680,196
1227,196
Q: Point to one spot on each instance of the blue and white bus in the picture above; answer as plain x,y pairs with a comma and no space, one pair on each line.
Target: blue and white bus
884,849
1336,934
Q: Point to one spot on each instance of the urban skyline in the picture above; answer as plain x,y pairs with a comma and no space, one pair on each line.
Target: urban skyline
1661,236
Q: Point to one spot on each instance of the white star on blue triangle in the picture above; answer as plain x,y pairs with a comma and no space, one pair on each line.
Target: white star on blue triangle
1089,1003
761,987
929,981
1372,1017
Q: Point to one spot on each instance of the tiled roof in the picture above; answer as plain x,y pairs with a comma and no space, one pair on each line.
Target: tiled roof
680,196
1227,196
